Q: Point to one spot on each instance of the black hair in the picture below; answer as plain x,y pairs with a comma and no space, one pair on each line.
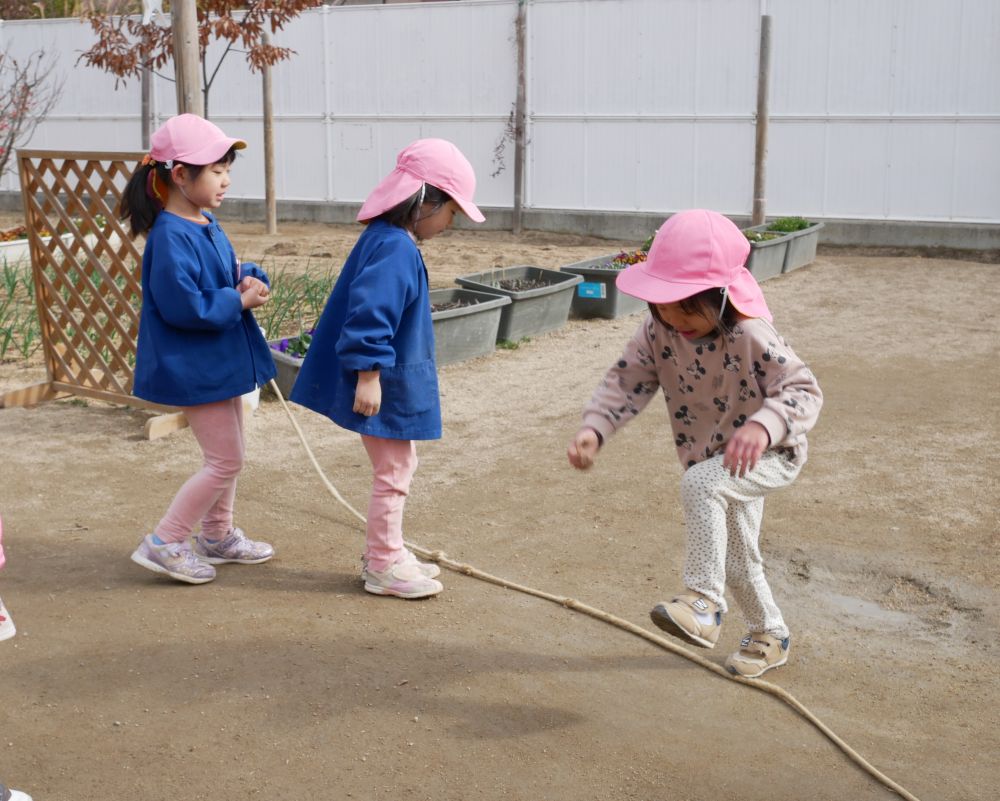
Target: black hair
404,215
138,207
707,304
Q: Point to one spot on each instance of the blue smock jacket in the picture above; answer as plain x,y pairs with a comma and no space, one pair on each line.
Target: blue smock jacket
378,317
196,343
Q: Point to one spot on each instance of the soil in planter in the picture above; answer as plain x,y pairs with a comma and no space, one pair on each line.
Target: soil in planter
522,284
454,304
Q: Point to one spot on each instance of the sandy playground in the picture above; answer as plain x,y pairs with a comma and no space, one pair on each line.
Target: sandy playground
287,681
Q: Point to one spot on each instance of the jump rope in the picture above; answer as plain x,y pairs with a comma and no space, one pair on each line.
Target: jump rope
577,606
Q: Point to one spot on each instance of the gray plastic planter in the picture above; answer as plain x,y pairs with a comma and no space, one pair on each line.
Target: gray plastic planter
597,295
467,331
801,247
288,370
783,254
767,258
533,311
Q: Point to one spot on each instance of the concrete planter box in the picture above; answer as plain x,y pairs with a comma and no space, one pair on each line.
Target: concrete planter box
597,295
467,331
784,253
532,311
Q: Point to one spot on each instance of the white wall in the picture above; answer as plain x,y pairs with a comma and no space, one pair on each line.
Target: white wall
880,109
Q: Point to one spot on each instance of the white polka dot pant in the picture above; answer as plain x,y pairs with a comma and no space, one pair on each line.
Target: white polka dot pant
723,515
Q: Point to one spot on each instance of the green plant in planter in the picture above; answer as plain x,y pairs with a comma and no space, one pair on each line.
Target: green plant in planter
788,225
762,236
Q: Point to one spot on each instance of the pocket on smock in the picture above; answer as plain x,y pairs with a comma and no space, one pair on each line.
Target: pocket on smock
409,390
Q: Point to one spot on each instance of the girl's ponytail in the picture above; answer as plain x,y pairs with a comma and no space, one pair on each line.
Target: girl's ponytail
141,200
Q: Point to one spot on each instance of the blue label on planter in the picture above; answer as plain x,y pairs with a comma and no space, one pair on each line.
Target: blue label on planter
592,289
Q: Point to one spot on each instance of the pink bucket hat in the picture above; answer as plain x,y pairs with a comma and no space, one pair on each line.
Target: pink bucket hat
191,139
434,161
693,251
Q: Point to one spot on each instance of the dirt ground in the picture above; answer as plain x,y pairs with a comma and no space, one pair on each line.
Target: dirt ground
288,681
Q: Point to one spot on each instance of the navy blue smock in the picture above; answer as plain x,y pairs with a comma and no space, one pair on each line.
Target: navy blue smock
196,343
378,317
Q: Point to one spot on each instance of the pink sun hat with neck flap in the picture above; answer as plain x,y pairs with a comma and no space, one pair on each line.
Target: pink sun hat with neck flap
693,251
191,139
434,161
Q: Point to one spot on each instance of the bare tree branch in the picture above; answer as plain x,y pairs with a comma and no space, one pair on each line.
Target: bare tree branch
28,92
125,45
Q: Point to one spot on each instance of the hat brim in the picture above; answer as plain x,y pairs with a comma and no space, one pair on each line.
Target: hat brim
392,190
396,187
211,152
744,292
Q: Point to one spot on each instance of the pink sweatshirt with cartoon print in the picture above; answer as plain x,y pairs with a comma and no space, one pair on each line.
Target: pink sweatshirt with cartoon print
712,387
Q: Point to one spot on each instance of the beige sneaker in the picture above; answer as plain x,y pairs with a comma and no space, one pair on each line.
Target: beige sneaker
758,653
690,616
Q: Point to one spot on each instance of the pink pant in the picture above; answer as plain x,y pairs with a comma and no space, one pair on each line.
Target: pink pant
394,462
208,495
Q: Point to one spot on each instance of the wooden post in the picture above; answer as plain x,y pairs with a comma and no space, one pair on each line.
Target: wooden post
760,143
145,125
187,58
519,118
269,198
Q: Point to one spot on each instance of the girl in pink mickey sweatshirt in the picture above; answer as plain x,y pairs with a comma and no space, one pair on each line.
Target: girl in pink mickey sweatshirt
740,403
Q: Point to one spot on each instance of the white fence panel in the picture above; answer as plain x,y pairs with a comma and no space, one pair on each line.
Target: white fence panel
895,88
885,110
642,105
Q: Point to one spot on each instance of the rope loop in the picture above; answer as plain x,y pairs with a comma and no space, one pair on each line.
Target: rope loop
598,614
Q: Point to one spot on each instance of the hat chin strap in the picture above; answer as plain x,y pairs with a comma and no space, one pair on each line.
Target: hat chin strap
725,297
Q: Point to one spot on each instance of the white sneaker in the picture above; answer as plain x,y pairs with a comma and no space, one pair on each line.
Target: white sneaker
8,794
403,580
429,569
7,629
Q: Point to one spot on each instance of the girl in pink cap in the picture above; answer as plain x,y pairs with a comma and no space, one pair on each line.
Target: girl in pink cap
370,366
740,403
199,346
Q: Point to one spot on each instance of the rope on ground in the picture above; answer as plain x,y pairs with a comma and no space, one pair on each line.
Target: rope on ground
571,603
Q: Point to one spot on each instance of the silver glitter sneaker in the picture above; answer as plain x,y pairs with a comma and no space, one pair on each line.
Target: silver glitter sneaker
234,547
175,559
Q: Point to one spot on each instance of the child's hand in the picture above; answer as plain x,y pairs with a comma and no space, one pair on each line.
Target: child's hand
253,292
583,448
745,448
249,282
368,395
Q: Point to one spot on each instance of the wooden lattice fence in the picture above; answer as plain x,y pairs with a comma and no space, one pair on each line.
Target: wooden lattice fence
86,270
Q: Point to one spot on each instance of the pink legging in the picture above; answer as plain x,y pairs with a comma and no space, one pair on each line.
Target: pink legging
394,462
209,494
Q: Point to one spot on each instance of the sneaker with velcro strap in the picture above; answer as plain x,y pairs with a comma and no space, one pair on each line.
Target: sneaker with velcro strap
690,616
402,580
759,652
428,569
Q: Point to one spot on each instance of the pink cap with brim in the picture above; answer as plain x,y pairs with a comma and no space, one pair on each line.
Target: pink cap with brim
434,161
693,251
191,139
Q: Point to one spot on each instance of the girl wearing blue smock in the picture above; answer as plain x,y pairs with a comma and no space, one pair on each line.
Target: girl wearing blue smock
199,346
370,366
